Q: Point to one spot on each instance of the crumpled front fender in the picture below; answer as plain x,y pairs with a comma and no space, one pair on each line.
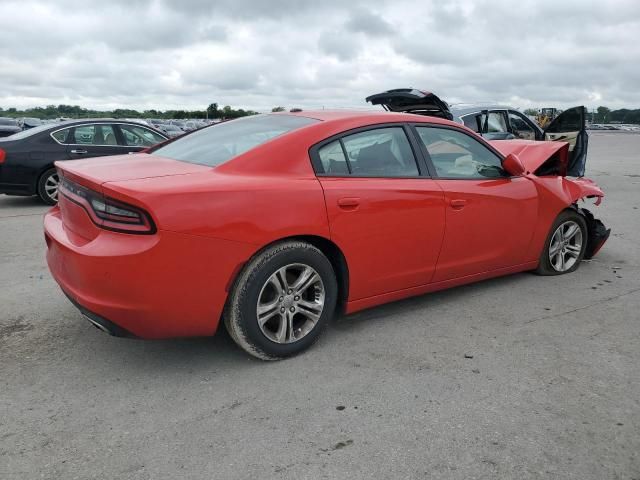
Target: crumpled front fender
581,188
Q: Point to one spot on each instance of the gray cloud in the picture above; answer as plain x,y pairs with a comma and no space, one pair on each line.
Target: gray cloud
368,22
257,54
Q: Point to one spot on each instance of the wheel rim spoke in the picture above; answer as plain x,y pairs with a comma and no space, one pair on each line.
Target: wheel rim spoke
267,311
571,232
280,278
310,310
307,278
555,248
573,250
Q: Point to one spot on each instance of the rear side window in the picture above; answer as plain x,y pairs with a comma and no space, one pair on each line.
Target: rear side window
215,145
333,159
382,152
471,121
61,136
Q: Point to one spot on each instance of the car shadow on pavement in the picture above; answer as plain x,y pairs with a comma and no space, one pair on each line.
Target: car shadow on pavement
490,286
203,353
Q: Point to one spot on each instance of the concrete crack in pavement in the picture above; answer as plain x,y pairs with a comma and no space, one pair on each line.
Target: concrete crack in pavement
584,307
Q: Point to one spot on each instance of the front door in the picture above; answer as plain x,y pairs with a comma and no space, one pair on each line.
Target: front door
570,126
490,217
384,213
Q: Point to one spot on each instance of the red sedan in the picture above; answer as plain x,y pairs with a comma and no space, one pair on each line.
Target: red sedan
275,223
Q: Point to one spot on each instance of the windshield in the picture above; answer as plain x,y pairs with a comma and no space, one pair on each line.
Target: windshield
8,121
214,145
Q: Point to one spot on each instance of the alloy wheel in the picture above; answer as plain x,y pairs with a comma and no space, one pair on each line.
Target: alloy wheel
290,303
51,186
566,246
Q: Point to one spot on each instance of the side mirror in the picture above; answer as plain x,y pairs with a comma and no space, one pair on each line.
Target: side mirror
513,166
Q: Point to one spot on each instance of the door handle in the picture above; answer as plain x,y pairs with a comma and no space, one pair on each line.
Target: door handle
349,202
79,152
458,203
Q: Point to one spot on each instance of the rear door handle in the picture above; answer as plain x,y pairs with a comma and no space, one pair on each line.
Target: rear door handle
458,203
79,152
348,202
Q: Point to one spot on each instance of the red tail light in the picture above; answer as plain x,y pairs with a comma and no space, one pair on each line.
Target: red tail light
3,156
106,212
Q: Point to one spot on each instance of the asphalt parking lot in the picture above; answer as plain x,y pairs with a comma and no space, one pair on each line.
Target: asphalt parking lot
552,389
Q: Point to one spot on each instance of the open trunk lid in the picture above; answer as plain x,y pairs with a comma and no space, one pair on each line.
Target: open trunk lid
411,100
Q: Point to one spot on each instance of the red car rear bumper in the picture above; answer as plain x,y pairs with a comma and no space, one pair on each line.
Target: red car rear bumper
149,286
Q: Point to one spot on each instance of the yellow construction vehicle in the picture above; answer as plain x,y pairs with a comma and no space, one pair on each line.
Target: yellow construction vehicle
546,115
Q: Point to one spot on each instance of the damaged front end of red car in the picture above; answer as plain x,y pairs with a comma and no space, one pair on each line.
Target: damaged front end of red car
547,163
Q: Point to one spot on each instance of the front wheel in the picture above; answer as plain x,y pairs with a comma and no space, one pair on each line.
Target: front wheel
281,302
48,187
565,246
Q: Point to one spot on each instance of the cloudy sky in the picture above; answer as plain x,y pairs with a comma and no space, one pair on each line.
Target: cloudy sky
324,53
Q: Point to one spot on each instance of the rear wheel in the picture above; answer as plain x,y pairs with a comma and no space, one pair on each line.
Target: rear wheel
48,187
565,246
282,301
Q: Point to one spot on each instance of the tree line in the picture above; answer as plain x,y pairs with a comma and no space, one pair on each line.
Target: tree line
213,111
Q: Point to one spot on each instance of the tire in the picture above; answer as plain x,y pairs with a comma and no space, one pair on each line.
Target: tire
260,285
570,251
47,188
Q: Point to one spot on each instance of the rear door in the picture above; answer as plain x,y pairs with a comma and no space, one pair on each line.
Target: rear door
490,217
570,126
384,211
93,140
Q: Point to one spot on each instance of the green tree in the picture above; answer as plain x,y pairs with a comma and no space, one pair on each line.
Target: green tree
278,109
212,111
603,114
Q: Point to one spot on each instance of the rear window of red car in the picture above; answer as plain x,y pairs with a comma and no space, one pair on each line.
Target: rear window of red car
216,144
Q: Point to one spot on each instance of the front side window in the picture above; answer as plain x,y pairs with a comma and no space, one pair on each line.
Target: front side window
457,155
383,152
98,134
520,128
136,136
215,145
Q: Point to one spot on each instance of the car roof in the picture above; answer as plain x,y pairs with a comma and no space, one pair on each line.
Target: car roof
466,108
365,116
